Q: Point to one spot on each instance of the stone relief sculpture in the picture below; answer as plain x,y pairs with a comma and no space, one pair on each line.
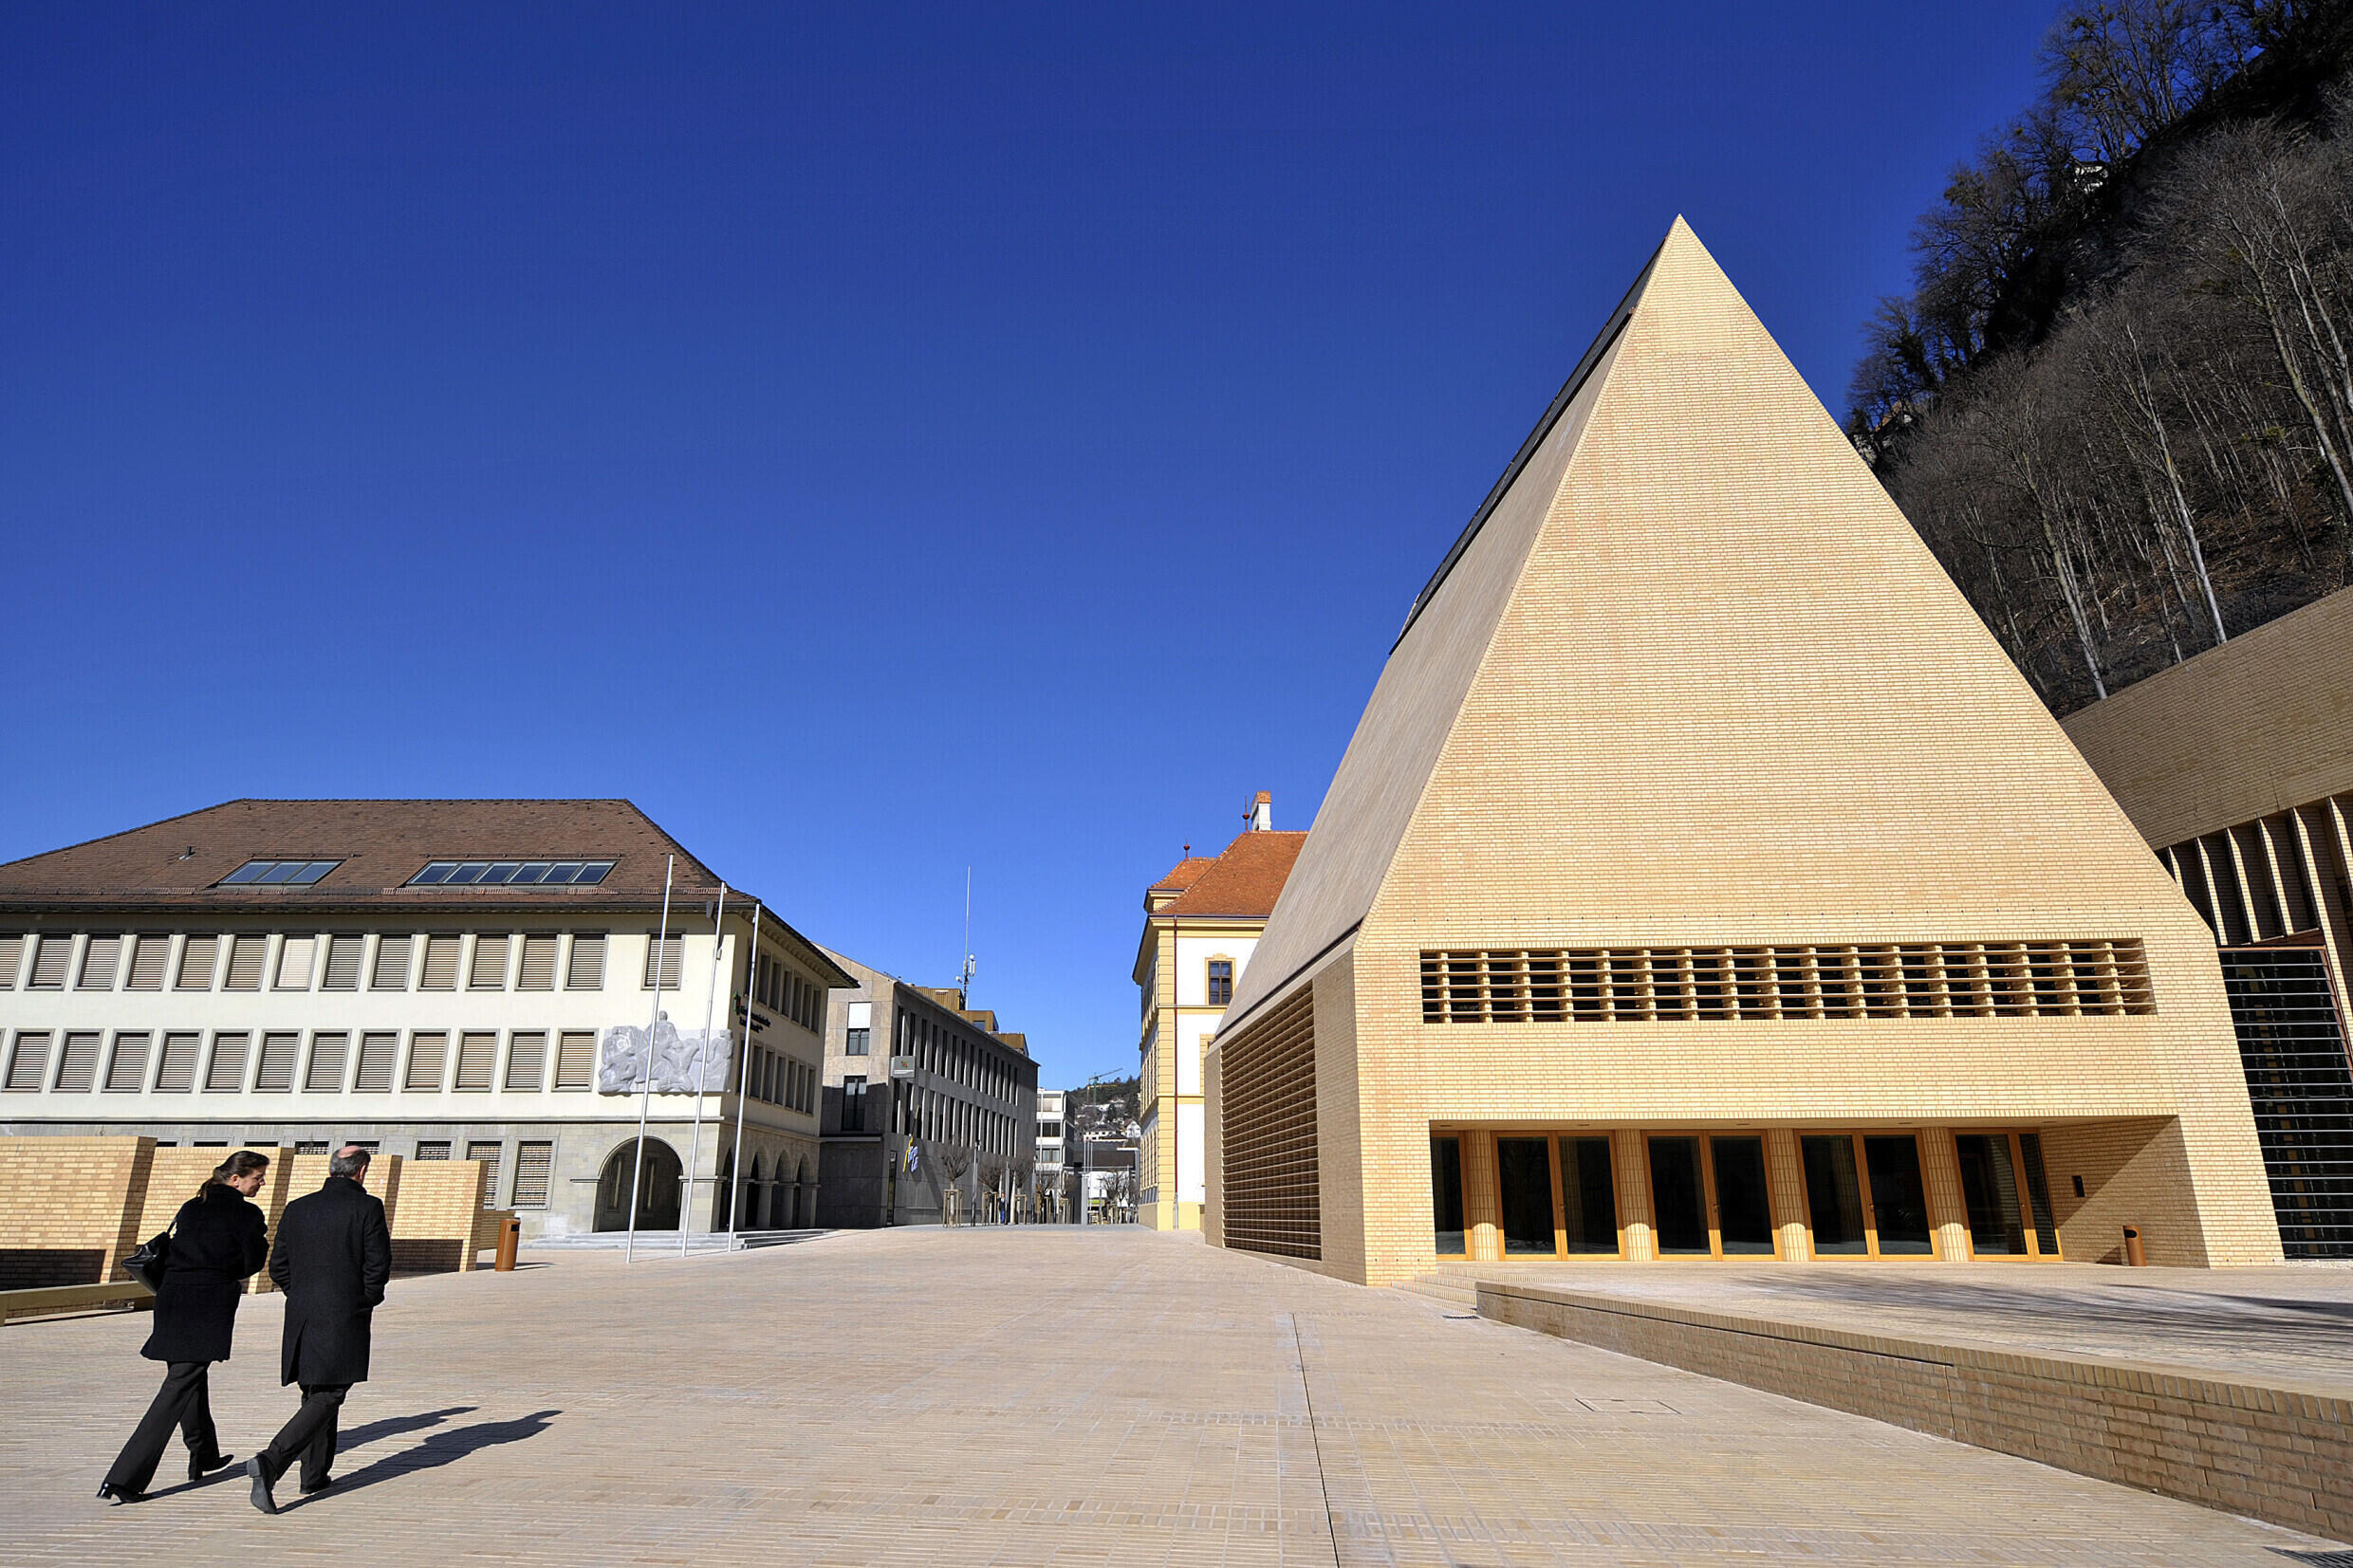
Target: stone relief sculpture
681,1064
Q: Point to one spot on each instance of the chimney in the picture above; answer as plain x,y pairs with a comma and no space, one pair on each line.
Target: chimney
1261,814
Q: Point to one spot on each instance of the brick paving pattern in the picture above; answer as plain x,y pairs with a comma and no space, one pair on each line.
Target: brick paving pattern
1029,1397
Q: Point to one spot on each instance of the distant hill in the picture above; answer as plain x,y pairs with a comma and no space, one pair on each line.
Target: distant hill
2119,401
1107,1109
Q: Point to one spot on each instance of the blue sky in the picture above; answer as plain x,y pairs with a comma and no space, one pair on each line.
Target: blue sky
878,440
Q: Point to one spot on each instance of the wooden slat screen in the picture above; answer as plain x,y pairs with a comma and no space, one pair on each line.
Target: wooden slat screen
29,1064
2072,979
575,1059
538,970
126,1074
1272,1197
526,1058
77,1065
586,971
197,960
329,1055
429,1053
176,1073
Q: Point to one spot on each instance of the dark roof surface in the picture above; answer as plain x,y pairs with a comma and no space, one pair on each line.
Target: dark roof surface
380,843
1245,880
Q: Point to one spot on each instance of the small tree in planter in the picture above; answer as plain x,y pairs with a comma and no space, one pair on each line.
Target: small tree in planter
953,1157
1026,1183
992,1167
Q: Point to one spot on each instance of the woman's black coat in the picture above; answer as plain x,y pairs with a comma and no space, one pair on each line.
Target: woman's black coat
333,1257
220,1242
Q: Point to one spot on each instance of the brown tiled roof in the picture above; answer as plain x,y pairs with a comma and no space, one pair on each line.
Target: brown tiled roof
1183,872
1245,880
380,843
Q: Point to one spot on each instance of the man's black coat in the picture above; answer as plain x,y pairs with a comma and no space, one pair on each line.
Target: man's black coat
218,1240
333,1256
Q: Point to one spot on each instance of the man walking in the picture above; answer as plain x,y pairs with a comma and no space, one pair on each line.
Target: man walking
332,1259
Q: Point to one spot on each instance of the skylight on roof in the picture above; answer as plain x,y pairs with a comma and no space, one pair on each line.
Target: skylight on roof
482,873
300,873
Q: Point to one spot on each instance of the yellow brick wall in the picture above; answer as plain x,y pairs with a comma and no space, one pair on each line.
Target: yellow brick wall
440,1208
63,1203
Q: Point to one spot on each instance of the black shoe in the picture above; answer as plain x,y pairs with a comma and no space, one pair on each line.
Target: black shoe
261,1498
309,1488
120,1495
199,1468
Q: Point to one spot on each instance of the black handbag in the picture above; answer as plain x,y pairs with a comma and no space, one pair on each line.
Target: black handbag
154,1256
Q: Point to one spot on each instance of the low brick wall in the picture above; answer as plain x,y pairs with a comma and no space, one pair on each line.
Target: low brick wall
2278,1454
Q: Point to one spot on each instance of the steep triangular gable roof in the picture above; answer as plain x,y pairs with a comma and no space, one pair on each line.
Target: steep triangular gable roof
1690,656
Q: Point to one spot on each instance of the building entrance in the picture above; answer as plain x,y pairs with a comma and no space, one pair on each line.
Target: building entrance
657,1189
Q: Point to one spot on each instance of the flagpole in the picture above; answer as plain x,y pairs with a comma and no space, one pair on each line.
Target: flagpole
645,1099
743,1079
695,1150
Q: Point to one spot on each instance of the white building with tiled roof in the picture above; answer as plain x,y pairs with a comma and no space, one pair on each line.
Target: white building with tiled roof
441,979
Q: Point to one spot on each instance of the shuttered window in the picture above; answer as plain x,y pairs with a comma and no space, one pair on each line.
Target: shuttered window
30,1062
127,1073
100,960
489,1154
343,962
176,1073
428,1055
245,963
489,965
526,1058
77,1069
328,1052
276,1076
392,965
532,1162
477,1054
377,1054
11,959
149,954
538,963
49,963
197,960
296,958
440,965
664,957
575,1059
226,1073
436,1151
586,971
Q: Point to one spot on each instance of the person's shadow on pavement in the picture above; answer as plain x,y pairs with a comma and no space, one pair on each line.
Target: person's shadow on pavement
443,1448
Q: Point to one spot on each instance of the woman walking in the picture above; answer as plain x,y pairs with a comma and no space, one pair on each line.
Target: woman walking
219,1241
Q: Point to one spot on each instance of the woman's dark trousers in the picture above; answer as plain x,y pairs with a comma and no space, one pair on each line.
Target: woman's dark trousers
184,1401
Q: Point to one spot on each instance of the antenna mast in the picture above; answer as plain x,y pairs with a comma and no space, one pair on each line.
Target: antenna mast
964,977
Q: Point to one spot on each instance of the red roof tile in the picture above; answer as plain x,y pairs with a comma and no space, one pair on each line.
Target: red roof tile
1245,880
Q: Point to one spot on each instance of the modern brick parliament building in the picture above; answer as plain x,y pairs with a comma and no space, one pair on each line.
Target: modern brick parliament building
438,978
1701,880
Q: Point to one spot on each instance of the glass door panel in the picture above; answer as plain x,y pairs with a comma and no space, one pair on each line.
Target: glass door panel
1833,1196
1589,1196
1898,1199
2038,1193
1997,1226
1743,1211
1446,1194
1678,1197
1524,1167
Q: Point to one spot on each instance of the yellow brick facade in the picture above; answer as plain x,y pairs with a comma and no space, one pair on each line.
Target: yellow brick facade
1695,685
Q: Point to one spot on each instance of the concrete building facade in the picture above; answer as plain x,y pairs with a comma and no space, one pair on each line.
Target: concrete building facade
437,978
1202,925
911,1066
2237,766
1701,880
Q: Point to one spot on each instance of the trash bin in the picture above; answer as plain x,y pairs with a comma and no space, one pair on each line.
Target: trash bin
510,1238
2134,1257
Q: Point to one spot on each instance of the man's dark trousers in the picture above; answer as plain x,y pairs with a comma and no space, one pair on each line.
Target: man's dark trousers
310,1436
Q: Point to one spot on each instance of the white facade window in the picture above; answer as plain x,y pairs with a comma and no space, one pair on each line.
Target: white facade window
586,971
197,960
295,956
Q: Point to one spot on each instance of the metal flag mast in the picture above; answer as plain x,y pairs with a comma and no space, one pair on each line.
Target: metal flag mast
695,1148
743,1080
660,969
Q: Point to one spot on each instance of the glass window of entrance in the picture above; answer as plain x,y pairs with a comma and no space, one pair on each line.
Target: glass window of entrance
1524,1169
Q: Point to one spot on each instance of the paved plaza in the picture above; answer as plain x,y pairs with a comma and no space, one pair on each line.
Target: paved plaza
1028,1397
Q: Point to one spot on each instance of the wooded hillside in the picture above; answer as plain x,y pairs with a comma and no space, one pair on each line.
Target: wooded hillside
2119,401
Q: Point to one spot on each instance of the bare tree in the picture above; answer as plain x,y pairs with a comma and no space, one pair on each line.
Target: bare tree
992,1165
953,1160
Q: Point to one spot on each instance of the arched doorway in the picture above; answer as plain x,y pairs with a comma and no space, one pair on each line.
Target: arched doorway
755,1197
658,1189
804,1200
727,1192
